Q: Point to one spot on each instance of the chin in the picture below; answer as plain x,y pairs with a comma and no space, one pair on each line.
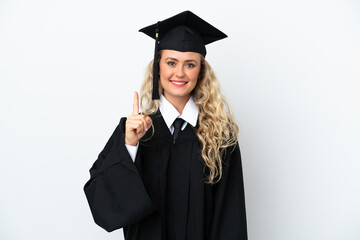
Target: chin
177,94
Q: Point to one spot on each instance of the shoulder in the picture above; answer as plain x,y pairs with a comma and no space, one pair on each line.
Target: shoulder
156,115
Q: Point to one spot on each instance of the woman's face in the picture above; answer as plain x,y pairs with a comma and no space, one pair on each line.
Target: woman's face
179,72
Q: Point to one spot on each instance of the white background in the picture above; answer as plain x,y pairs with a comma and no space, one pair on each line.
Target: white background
290,70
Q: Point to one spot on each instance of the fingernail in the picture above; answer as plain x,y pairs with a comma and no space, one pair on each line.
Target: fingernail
146,129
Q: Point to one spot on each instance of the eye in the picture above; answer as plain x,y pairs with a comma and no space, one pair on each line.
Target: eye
171,63
190,65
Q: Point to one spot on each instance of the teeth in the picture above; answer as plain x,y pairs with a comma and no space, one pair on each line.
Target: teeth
179,83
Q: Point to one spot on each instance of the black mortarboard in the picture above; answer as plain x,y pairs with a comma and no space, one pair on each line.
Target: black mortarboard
184,32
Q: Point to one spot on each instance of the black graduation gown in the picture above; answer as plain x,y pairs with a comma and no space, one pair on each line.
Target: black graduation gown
163,195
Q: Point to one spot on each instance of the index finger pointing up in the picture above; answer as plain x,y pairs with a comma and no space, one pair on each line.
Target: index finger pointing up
136,104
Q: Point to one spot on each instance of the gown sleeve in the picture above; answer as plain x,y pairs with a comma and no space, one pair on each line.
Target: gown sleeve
229,215
115,192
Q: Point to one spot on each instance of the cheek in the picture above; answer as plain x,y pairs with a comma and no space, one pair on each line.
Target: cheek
194,79
164,75
164,71
195,75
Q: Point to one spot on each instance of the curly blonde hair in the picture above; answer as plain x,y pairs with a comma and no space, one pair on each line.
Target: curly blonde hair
217,128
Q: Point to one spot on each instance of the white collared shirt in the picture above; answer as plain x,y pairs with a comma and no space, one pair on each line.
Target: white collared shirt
169,113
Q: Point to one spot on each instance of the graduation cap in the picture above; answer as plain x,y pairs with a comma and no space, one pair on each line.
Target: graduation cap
184,32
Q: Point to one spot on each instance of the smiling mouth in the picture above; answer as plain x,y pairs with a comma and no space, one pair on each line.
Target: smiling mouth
178,82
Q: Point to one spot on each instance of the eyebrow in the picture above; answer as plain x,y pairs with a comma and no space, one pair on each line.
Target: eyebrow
174,59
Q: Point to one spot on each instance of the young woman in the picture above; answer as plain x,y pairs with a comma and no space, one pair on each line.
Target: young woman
173,171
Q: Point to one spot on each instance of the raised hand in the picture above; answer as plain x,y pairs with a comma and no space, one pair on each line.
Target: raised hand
136,124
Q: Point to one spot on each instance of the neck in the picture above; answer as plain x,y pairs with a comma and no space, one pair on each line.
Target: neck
177,102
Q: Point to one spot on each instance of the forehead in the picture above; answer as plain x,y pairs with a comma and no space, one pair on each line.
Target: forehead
181,56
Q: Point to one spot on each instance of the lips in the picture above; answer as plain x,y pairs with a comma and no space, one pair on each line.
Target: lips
178,83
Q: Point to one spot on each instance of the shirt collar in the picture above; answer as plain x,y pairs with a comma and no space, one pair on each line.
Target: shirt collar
169,113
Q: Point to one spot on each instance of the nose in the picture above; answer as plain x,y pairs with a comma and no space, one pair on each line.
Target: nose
180,71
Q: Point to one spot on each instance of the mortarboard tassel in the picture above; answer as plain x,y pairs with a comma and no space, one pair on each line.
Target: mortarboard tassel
155,93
